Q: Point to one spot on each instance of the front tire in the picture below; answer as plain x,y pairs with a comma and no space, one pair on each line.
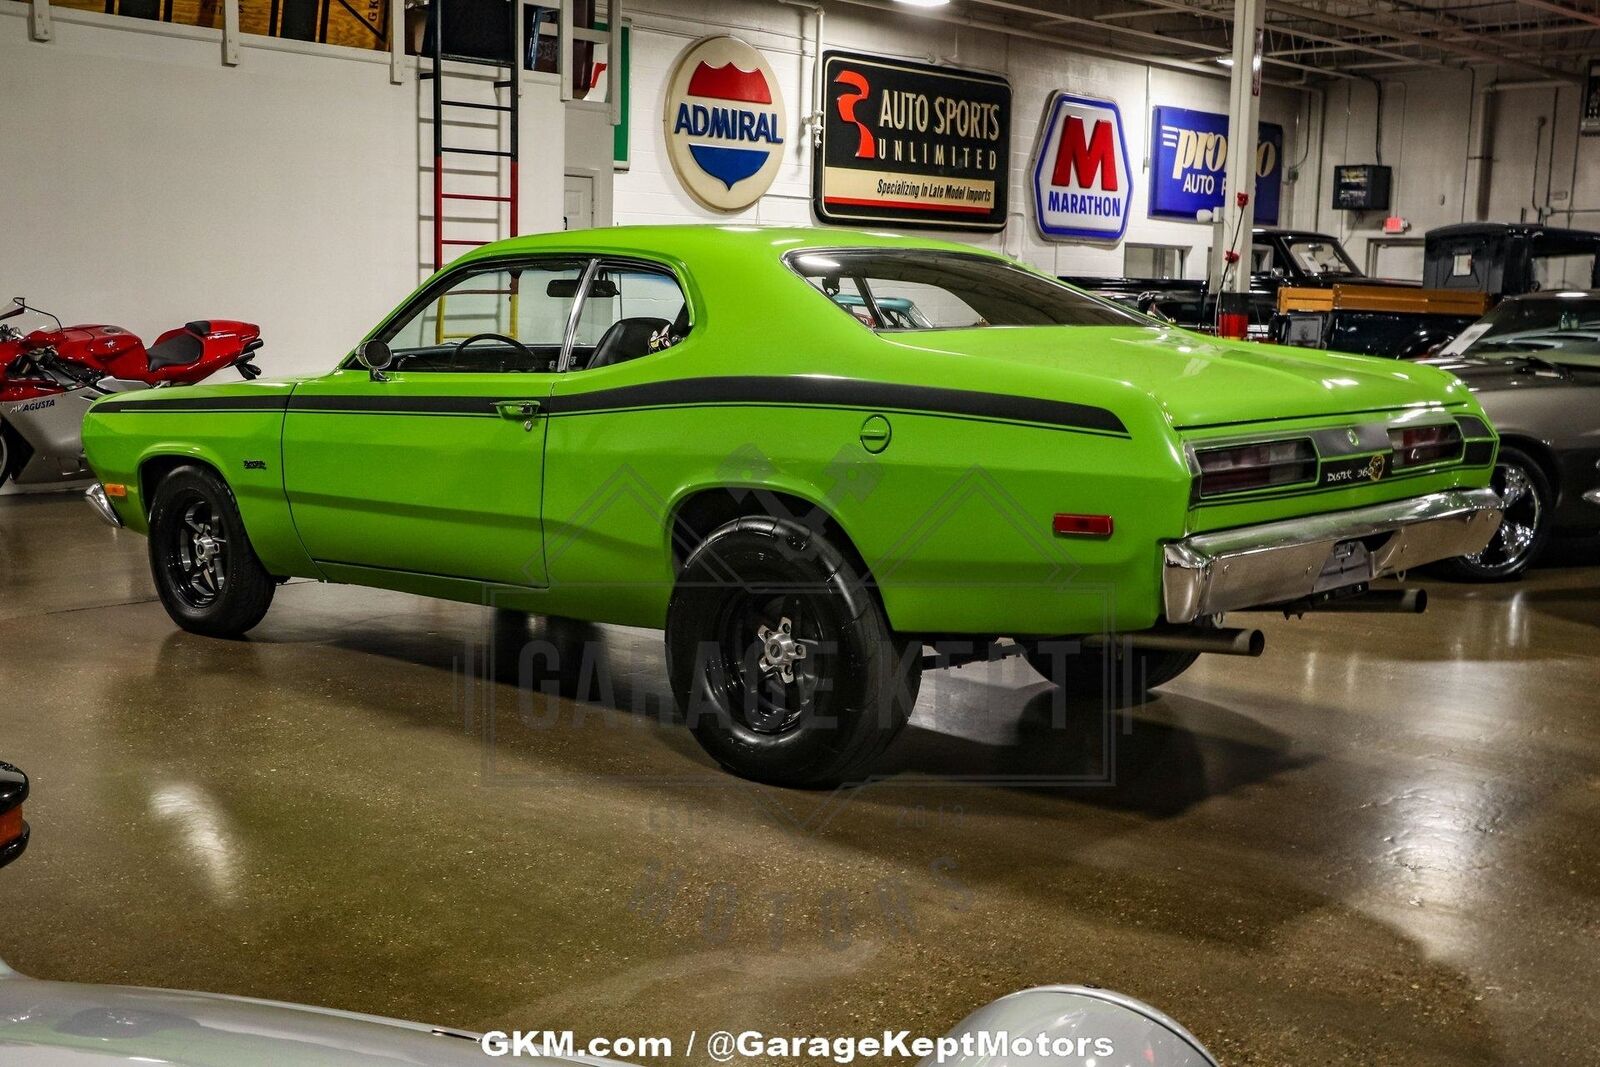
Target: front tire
1525,492
781,658
206,572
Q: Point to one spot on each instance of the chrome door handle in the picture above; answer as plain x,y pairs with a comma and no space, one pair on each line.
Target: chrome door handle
517,409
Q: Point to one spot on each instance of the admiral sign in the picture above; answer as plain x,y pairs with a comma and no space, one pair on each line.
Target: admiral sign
912,145
725,123
1082,183
1191,154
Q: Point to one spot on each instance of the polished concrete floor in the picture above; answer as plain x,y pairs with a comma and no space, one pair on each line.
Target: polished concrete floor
1376,844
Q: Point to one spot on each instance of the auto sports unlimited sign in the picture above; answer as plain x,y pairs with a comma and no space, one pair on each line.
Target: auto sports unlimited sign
724,122
1191,154
1082,183
910,144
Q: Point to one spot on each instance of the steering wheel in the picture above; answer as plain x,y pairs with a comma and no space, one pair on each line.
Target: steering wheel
512,341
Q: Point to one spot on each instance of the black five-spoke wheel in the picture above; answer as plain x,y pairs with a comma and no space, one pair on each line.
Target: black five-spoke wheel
204,566
781,657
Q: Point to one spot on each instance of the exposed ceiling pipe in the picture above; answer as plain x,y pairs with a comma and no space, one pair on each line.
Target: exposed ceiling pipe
1369,26
1561,9
1143,35
1483,135
1209,70
1226,15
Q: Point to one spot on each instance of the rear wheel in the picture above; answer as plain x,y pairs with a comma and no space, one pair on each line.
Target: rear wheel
1527,498
781,658
206,572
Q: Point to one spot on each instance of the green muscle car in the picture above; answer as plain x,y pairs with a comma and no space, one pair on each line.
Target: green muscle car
738,435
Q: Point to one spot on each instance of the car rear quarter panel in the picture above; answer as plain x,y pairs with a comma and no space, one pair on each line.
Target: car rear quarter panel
953,518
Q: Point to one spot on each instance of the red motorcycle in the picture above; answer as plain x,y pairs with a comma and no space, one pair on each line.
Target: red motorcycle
48,379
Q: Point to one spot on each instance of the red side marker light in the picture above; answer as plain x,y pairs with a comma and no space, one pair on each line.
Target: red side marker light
1082,525
10,826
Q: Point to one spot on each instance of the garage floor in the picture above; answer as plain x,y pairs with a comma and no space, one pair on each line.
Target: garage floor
1376,844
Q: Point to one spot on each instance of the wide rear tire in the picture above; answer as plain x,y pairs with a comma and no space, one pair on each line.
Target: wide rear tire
781,659
206,572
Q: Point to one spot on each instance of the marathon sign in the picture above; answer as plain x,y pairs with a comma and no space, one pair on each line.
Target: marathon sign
1187,172
1082,182
909,144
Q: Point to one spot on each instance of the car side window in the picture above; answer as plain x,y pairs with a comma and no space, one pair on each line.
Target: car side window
515,316
630,310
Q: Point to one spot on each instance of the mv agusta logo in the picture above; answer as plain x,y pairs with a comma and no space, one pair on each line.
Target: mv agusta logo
36,405
1082,183
724,121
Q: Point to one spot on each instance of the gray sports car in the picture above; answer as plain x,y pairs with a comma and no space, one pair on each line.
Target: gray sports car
1534,362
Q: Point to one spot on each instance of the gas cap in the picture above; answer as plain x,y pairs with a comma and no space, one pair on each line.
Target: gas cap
875,434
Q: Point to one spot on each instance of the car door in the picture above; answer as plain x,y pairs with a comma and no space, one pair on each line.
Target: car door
436,465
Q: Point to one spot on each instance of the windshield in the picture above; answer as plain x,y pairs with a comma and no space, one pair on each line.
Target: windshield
1563,329
1322,255
928,290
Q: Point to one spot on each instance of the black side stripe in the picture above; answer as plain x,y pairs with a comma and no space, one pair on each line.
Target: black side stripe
270,402
819,391
401,405
788,391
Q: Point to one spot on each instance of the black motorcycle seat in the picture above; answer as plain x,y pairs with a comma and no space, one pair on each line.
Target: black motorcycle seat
179,350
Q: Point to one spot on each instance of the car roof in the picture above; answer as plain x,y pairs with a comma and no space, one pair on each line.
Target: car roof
1554,294
719,240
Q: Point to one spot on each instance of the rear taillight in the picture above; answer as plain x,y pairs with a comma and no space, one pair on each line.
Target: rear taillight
1416,446
1257,466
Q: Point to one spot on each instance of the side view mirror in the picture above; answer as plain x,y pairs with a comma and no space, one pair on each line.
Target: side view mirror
375,356
13,831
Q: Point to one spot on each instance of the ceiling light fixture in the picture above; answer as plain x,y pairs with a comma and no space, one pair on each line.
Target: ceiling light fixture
923,3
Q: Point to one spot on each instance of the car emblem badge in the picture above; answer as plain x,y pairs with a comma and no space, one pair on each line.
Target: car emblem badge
1353,437
1375,468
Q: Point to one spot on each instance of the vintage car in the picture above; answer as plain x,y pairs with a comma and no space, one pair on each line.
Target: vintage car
1534,364
681,427
1278,258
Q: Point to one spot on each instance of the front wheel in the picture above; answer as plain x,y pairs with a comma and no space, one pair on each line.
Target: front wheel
1527,498
781,659
205,570
11,453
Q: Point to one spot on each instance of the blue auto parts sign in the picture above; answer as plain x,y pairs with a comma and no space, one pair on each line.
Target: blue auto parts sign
909,144
724,122
1191,155
1082,182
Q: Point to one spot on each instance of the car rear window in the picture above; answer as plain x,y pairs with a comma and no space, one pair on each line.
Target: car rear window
901,290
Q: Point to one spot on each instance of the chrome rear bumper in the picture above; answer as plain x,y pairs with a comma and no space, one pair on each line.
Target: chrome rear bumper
96,496
1279,562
